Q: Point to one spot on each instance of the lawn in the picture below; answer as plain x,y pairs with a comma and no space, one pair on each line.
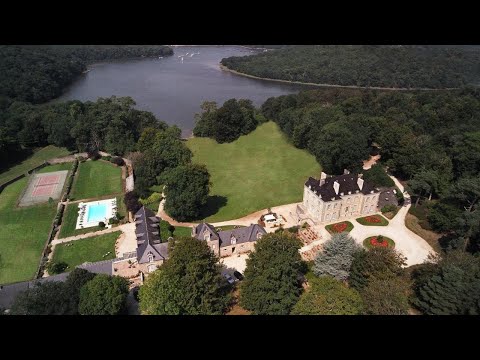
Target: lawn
95,179
339,227
182,231
92,249
373,220
69,221
38,158
23,234
257,171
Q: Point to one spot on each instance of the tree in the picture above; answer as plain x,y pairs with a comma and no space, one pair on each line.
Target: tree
271,285
48,298
327,296
131,201
74,283
337,256
104,295
186,191
338,148
188,283
386,296
377,263
452,287
228,123
56,267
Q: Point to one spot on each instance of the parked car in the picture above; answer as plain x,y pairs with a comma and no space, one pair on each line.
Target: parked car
238,275
230,280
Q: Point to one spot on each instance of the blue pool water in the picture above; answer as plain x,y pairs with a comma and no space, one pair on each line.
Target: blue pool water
97,212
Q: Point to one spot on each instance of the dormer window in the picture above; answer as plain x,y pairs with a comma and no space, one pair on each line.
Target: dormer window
233,240
259,235
150,257
206,235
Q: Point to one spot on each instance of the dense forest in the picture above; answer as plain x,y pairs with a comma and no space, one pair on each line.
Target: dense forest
433,67
430,139
37,74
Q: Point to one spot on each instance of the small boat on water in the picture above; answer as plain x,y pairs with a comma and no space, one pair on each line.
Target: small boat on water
160,57
186,54
192,55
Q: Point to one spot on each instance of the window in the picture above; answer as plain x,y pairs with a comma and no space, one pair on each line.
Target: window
368,200
150,257
328,216
349,200
151,268
328,207
259,235
233,240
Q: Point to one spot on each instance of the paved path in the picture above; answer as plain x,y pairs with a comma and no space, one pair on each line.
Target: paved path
128,241
288,211
124,228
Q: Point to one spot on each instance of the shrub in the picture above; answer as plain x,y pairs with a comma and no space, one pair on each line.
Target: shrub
56,267
107,158
153,198
101,224
81,159
293,229
113,220
171,229
117,160
388,208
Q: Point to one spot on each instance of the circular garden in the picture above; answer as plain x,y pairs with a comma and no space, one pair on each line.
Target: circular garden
373,220
378,241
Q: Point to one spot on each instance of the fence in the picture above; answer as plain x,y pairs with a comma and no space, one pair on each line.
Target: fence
5,184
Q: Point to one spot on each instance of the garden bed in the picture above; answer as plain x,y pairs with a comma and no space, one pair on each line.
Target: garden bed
378,241
373,220
344,226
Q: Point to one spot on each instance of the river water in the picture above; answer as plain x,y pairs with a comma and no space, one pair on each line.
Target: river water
173,90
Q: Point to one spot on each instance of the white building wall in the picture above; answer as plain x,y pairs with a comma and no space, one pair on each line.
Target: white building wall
350,206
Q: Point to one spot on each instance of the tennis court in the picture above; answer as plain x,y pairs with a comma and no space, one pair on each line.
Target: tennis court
41,187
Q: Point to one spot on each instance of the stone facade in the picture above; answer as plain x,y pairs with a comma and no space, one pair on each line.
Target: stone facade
339,198
230,242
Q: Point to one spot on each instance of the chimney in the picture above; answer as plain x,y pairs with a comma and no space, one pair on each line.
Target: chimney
360,183
323,177
346,172
336,186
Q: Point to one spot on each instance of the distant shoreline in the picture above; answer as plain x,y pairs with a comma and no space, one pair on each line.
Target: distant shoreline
224,68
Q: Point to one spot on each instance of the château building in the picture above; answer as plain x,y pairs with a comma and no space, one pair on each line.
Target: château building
339,197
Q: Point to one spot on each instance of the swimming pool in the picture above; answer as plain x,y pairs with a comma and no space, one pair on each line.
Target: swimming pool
97,212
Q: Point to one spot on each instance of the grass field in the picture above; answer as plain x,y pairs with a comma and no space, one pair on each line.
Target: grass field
56,167
382,221
23,233
257,171
91,249
47,153
70,215
95,179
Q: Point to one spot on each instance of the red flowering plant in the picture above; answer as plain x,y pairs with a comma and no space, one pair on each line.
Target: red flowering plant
372,219
340,227
378,241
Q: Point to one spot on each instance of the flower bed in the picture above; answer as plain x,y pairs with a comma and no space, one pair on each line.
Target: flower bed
378,241
373,220
344,226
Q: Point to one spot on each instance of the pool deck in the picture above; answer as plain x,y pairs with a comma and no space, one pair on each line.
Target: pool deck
85,208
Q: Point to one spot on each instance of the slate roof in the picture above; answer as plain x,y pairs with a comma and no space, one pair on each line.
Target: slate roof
199,230
347,182
147,230
243,234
